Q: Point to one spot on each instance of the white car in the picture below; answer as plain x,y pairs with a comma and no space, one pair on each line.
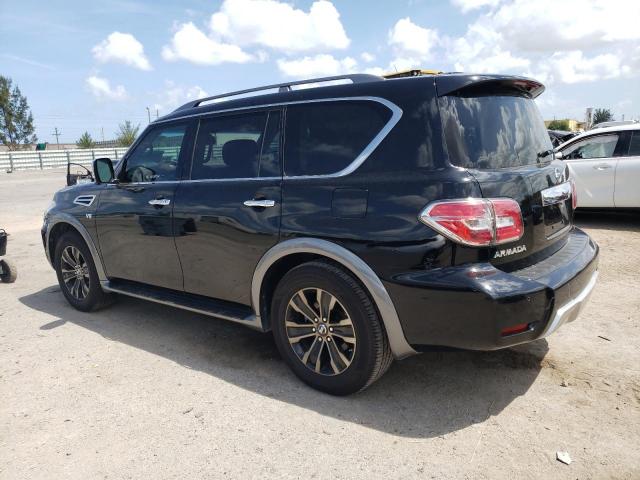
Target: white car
605,165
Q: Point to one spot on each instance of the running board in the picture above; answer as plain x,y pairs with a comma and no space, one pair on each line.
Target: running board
231,311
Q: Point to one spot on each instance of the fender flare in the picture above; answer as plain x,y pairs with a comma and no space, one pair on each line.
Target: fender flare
60,217
397,341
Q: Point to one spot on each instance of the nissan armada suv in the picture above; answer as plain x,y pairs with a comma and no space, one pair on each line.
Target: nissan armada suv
359,222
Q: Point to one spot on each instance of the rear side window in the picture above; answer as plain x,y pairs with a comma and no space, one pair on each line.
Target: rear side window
326,137
493,131
634,146
231,146
600,146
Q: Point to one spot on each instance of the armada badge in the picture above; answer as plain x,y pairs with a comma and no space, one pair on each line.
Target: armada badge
510,251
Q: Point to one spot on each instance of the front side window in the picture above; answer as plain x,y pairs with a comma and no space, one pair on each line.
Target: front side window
230,147
156,157
326,137
601,146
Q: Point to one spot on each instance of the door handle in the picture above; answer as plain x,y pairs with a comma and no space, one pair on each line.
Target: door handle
602,166
259,203
159,202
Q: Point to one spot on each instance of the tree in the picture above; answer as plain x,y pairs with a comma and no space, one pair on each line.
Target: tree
85,141
16,120
602,115
559,125
127,133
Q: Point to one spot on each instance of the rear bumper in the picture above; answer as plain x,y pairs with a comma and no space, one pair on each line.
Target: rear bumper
470,306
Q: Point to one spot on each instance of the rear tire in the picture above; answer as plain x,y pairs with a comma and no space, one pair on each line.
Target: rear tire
77,274
328,330
9,271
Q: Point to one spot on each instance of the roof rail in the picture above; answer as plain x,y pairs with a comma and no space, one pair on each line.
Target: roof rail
285,87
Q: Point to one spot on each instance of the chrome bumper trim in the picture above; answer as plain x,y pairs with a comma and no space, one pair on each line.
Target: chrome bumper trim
570,310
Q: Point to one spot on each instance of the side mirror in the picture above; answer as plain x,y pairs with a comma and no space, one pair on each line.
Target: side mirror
558,155
103,170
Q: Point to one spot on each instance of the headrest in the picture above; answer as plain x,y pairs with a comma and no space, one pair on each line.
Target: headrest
240,154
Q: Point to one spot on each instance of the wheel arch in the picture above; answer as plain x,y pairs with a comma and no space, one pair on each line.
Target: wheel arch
63,223
290,253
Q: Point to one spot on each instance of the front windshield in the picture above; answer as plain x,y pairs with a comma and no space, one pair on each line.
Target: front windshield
495,131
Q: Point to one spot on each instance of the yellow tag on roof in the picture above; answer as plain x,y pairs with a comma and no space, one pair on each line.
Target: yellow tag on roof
411,73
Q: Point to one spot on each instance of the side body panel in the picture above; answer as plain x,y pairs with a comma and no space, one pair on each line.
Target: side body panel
137,239
219,239
595,180
627,190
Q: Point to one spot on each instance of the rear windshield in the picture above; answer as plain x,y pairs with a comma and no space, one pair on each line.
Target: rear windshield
493,131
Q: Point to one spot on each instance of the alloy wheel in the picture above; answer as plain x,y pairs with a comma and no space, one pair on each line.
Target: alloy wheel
75,272
320,331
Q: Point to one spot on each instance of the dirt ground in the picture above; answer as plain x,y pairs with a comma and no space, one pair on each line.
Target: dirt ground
147,391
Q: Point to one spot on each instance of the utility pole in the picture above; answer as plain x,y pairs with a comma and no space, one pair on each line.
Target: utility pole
57,134
149,114
157,116
102,130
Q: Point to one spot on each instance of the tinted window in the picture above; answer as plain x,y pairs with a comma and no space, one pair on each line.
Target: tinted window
493,131
634,146
230,146
326,137
155,158
601,146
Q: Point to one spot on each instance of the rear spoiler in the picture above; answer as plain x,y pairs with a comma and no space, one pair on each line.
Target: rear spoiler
481,85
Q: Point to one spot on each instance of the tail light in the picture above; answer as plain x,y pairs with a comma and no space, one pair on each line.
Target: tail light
574,195
477,222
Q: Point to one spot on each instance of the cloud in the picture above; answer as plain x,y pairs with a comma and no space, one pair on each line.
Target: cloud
175,95
468,5
122,48
317,66
191,44
101,88
581,41
573,24
280,26
412,40
574,67
367,57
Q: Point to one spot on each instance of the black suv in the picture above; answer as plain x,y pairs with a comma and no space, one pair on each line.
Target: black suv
357,221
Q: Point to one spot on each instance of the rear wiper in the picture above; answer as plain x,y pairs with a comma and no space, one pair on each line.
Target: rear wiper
545,153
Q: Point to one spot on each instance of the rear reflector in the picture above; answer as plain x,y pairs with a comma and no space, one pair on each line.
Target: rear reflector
476,222
521,327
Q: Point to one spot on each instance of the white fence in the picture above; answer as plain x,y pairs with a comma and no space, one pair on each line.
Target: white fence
22,160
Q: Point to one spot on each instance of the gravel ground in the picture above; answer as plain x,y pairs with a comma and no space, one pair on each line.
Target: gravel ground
146,391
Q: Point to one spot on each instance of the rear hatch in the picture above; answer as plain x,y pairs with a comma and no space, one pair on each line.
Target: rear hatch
494,130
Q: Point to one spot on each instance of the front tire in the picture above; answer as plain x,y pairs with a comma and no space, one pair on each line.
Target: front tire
77,274
327,329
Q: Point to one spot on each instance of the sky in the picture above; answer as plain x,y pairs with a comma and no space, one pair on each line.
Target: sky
92,65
